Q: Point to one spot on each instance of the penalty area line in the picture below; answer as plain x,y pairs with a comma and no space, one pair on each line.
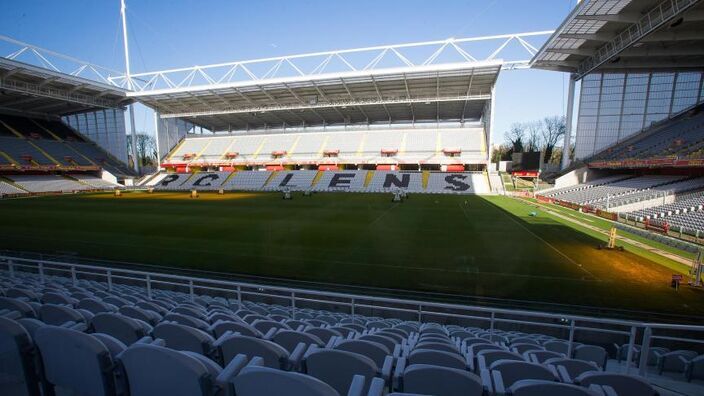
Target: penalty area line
551,246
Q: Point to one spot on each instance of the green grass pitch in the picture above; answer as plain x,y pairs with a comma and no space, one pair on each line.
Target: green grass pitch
455,245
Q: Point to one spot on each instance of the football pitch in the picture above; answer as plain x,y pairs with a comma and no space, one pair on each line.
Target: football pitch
455,247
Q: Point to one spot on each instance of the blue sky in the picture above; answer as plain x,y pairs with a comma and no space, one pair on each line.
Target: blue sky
176,33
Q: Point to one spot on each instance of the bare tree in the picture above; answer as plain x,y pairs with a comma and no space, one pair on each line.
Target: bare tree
533,137
553,129
146,148
516,137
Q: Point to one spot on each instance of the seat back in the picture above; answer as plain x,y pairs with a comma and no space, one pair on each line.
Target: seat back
425,379
153,370
75,361
125,329
17,305
623,384
272,354
557,346
513,371
187,320
375,351
541,388
257,381
437,358
17,367
221,327
574,367
289,339
324,334
540,356
337,368
386,341
592,353
491,356
54,314
184,338
95,306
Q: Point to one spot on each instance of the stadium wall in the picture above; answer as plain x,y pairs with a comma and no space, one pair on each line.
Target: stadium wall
615,106
104,127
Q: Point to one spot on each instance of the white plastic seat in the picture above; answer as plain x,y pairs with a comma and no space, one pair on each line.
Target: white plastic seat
290,339
273,355
125,329
220,327
375,351
437,380
569,369
591,353
184,338
541,388
337,368
18,371
257,381
75,362
154,370
623,384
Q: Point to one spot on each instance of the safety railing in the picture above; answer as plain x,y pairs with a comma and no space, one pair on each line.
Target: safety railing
408,309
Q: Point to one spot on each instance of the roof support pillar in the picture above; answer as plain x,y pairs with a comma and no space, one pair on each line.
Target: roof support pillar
568,124
133,132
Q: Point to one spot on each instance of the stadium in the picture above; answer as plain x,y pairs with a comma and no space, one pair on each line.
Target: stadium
350,221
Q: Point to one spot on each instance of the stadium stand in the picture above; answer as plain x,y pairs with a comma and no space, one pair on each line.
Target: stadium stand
598,194
400,146
158,341
34,144
680,138
47,183
29,184
349,180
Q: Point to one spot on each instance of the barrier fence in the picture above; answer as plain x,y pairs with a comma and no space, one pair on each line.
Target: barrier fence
571,327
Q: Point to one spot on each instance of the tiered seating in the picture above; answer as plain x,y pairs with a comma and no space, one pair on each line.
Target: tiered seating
100,157
692,221
458,183
384,181
658,191
22,151
349,180
294,180
681,138
61,152
690,203
87,337
556,192
47,183
253,180
93,181
9,189
345,180
352,147
598,195
51,143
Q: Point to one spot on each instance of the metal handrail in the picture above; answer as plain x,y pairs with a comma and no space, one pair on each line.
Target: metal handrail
355,301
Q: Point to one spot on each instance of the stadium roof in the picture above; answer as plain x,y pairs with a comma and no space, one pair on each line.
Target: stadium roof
383,84
55,84
632,34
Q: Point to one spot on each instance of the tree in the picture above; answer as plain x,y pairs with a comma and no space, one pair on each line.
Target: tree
533,130
553,129
515,137
146,148
501,152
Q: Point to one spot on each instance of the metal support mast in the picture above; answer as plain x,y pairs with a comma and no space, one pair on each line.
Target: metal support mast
133,131
568,125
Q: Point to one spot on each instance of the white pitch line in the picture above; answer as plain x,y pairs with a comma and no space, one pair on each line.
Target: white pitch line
544,241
